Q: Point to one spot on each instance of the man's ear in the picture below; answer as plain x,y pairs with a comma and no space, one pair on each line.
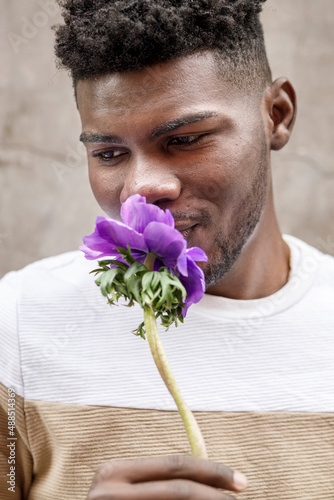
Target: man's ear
282,107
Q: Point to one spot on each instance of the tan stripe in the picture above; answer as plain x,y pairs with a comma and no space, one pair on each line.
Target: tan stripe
286,456
23,459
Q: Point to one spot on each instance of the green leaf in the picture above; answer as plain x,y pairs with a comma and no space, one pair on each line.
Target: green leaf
161,290
106,263
147,280
106,280
140,331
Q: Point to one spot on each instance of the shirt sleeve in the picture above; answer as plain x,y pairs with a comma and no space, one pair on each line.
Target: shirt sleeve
15,457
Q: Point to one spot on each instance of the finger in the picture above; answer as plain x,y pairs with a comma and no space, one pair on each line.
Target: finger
174,467
176,489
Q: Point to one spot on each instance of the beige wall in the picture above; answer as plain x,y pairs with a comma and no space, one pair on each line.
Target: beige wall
46,204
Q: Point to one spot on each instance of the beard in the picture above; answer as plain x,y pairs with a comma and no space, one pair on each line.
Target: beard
230,246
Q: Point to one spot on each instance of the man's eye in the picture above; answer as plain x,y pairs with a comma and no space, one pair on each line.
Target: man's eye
186,140
108,155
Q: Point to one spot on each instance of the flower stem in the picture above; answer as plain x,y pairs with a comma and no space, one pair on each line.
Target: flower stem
149,261
193,431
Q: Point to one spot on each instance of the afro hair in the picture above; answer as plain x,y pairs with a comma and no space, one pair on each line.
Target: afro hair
107,36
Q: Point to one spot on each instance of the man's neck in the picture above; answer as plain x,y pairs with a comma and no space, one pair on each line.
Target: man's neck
263,267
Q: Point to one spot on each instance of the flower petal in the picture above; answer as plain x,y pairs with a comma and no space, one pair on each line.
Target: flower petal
129,207
136,213
182,264
90,254
197,254
194,284
110,234
166,242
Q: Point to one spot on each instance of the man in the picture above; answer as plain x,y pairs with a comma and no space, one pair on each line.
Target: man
177,104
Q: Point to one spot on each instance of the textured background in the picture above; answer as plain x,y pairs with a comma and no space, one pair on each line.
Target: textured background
45,201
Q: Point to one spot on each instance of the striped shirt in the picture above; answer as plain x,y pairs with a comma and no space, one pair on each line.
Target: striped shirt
259,375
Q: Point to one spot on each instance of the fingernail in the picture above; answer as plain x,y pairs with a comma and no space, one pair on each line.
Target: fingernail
240,480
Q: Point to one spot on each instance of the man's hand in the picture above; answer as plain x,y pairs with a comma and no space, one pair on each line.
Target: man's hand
174,477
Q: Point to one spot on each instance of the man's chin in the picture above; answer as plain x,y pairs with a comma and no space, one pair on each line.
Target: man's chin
216,269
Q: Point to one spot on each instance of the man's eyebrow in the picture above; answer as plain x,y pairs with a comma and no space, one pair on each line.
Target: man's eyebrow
102,138
180,122
157,132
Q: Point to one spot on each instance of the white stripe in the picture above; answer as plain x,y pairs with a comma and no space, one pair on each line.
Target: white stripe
10,364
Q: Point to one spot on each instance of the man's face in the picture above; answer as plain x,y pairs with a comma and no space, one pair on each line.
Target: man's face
177,134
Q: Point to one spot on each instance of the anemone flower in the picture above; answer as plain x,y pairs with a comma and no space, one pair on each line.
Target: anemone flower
149,263
149,230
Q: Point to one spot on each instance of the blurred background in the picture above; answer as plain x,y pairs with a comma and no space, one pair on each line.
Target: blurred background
45,201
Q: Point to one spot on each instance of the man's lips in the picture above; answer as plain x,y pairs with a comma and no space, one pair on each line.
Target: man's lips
186,224
185,229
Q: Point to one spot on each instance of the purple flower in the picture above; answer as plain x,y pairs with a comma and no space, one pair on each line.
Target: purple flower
148,229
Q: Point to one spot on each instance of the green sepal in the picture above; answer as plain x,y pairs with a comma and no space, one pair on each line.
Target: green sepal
133,279
161,290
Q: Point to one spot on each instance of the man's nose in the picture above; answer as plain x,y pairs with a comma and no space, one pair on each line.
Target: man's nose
152,179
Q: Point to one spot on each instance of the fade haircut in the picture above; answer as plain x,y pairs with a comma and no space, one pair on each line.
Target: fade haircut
108,36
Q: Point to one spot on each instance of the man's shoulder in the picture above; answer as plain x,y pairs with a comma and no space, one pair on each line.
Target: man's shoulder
40,298
66,267
312,274
310,255
23,294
